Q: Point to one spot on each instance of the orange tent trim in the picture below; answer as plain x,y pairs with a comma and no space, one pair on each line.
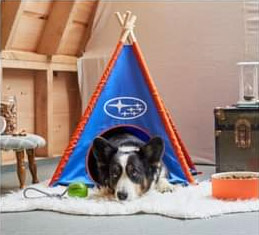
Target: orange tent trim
84,119
174,138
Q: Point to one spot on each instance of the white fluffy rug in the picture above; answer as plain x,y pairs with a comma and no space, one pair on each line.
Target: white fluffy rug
188,203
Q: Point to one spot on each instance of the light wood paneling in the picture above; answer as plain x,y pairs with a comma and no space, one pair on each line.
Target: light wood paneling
11,12
21,84
61,132
23,23
48,104
66,109
38,7
7,157
31,60
80,21
41,41
47,27
21,55
55,27
28,33
35,65
44,110
84,10
71,44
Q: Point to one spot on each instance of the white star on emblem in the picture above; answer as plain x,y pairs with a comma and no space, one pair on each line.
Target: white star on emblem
138,105
130,109
124,114
119,105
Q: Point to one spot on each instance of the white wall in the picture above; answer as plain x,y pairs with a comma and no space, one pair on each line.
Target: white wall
191,48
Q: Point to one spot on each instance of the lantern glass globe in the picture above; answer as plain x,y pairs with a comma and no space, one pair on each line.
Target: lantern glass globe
248,83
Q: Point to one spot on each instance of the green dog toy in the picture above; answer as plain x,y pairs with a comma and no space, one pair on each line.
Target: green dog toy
77,189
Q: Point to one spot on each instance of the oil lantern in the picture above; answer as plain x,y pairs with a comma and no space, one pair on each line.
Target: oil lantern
248,84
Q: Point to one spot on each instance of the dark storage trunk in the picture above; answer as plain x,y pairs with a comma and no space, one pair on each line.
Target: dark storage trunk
237,139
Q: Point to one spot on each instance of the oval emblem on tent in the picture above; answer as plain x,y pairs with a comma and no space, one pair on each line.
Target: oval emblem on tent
125,108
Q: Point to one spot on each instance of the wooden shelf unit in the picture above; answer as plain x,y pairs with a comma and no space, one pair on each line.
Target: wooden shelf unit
40,44
47,95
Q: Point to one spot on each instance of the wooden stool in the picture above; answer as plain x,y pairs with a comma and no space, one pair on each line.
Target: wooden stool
21,171
22,144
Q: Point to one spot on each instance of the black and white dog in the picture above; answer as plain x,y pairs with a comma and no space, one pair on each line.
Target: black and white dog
127,167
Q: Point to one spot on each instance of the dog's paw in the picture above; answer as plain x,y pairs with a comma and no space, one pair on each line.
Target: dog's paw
163,186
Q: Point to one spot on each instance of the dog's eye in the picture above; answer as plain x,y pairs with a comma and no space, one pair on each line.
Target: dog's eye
134,172
114,175
115,172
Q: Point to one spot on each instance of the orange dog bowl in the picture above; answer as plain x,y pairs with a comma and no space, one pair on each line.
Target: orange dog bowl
235,185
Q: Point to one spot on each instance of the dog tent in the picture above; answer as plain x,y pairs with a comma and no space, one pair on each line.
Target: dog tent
126,99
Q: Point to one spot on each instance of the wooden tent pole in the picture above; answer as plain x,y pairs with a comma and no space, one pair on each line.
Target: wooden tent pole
122,23
127,23
126,19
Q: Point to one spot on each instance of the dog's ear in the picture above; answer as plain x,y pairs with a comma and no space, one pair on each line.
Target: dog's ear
103,149
153,150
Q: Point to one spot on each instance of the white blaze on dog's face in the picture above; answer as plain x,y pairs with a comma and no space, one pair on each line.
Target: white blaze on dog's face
126,189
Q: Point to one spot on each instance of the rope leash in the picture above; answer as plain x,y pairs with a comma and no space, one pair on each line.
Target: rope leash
53,195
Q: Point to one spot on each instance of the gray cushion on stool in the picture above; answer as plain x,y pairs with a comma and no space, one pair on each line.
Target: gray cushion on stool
30,141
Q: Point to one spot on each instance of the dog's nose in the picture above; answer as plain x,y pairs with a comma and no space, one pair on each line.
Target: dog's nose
122,196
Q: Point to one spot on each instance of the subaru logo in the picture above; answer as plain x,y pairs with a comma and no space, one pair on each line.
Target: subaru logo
125,108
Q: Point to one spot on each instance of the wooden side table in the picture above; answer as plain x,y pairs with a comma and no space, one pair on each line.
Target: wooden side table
22,144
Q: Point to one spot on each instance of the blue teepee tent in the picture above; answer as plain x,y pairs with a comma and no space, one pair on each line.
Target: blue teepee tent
126,100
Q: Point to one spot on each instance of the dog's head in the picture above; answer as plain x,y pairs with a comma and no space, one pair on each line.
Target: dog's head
129,171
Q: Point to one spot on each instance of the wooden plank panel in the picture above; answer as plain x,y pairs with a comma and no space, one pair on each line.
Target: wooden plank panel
63,59
28,33
83,11
8,157
69,104
11,12
47,106
38,65
64,67
61,93
66,88
91,10
20,83
82,18
44,110
31,60
20,64
32,56
71,43
55,27
40,7
67,109
61,131
21,55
